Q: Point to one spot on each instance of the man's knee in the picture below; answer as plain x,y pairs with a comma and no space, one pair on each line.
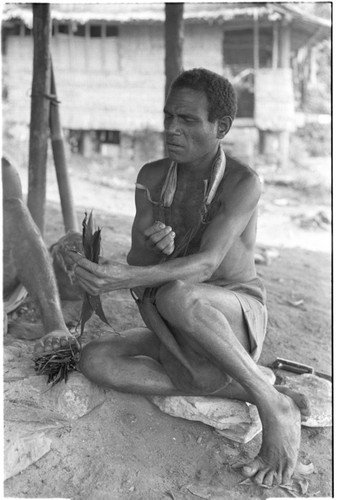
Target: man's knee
177,298
98,354
10,180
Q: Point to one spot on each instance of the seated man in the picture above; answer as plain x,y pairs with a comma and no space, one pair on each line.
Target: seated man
191,268
26,261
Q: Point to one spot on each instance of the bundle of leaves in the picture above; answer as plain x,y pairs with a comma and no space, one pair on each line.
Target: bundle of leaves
57,364
92,247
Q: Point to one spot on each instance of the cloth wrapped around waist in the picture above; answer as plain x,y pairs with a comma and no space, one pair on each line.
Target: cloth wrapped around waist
190,371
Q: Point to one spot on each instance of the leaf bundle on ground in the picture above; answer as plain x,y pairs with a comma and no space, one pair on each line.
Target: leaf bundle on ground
57,364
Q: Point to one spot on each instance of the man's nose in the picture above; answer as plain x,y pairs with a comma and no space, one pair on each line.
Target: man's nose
172,126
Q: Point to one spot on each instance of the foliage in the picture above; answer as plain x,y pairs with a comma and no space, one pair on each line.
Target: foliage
316,139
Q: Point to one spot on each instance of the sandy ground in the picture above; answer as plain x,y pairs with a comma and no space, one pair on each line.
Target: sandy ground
127,448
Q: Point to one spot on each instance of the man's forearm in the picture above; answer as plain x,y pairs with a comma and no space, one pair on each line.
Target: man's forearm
192,268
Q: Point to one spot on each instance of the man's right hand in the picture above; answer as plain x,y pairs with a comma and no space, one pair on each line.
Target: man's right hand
160,238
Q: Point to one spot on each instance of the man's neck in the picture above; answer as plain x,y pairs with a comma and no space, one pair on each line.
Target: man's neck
199,169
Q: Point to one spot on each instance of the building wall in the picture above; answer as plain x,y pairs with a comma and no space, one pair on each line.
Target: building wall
203,47
18,78
114,83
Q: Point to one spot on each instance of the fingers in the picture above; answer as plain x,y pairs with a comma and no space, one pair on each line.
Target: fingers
89,282
80,261
157,226
161,238
166,244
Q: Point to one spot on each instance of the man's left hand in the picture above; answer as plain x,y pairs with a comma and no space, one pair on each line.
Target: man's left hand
97,278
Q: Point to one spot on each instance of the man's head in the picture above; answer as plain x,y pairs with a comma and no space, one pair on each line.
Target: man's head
219,91
199,110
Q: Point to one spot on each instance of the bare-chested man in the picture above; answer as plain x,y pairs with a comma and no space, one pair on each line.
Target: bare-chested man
26,261
191,267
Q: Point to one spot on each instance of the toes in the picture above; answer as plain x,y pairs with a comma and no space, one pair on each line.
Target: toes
278,476
54,342
48,347
269,479
64,342
259,477
287,474
38,348
251,469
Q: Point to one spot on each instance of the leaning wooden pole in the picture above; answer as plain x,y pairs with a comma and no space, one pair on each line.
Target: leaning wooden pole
39,121
67,204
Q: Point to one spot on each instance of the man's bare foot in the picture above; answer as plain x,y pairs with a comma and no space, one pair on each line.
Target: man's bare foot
281,437
53,341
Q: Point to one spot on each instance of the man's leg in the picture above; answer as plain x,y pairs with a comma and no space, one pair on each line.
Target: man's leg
26,253
127,363
210,317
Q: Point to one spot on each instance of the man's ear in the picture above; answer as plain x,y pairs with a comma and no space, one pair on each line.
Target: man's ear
224,125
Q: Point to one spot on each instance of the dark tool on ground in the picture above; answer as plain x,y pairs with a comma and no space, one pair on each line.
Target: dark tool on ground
295,367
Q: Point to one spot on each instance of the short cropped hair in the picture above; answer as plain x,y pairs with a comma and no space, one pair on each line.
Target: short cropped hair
219,91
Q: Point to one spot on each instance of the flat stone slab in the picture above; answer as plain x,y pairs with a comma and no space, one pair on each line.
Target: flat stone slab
233,419
32,409
22,447
32,399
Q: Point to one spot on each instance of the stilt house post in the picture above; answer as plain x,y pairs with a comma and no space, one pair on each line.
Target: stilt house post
39,122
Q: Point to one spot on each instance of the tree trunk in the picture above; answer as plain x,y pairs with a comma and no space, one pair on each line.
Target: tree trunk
39,122
174,35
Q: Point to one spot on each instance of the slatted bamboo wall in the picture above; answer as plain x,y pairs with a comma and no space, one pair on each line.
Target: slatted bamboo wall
113,83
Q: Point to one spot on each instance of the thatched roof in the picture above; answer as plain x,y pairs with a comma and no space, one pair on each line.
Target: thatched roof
306,26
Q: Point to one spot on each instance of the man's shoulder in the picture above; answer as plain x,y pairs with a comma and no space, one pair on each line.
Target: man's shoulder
238,168
240,178
154,169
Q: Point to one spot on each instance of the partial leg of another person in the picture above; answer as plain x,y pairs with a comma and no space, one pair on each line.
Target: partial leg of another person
26,253
210,318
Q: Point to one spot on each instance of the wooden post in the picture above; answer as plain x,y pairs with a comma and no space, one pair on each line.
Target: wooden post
68,210
39,122
284,137
285,46
174,34
275,53
256,41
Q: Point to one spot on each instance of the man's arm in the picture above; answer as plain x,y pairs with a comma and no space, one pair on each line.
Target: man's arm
237,207
151,240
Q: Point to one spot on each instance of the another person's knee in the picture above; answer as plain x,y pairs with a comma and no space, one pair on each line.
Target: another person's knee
10,180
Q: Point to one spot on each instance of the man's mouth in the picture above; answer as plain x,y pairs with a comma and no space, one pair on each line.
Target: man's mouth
173,145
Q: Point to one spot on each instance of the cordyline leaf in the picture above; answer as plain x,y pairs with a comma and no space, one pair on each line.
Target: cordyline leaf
57,365
87,234
92,247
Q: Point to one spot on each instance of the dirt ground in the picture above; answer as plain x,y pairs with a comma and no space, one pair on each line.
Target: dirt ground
126,448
